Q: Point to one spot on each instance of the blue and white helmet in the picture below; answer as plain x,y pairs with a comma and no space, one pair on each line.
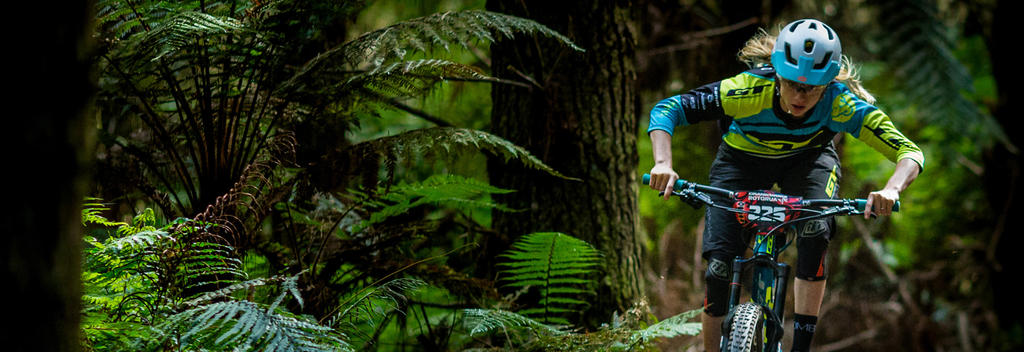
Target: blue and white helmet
807,51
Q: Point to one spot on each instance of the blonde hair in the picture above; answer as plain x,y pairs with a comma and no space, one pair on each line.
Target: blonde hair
758,50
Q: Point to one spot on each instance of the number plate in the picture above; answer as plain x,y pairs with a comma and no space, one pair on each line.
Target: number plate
765,206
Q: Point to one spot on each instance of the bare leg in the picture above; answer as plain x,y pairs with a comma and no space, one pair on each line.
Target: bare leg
711,328
807,296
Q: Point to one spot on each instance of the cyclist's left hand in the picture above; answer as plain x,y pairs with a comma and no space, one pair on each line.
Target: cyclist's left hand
881,202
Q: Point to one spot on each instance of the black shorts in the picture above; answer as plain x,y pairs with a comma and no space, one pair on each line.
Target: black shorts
811,174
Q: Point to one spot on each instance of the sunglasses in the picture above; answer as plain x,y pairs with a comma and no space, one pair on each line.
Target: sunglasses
802,88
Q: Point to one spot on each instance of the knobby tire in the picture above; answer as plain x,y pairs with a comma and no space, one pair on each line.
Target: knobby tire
747,330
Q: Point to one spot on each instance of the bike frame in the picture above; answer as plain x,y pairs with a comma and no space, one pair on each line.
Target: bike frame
769,284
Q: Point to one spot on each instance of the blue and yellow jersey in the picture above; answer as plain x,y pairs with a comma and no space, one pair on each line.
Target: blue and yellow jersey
760,128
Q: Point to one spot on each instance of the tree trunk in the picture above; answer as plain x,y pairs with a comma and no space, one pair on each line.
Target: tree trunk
580,117
1003,169
44,139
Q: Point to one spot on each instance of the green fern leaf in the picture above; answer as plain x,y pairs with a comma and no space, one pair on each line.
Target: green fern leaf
484,321
443,190
558,265
673,326
182,29
442,30
919,47
430,142
244,325
92,209
366,308
380,87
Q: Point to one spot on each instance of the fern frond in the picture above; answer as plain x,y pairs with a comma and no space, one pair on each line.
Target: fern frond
557,264
919,46
244,325
92,209
444,190
366,60
379,88
441,30
181,30
673,326
370,305
429,142
485,321
412,78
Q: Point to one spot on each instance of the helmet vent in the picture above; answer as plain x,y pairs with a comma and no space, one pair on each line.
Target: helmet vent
808,46
824,61
792,27
829,31
789,55
813,26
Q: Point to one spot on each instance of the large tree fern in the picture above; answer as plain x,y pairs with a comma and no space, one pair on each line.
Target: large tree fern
194,93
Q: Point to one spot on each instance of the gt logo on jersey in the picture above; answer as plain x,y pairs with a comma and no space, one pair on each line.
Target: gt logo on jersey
746,91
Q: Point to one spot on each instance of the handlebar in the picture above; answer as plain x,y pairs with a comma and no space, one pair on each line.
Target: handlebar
691,187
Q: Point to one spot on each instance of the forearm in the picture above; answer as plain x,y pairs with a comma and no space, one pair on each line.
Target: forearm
661,143
905,173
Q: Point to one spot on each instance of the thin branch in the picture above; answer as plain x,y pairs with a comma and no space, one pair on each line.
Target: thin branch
693,40
849,341
420,113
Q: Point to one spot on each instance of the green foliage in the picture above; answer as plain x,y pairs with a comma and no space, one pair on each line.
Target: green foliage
676,325
214,111
424,34
451,191
195,93
921,49
363,312
244,325
429,143
162,287
557,265
627,333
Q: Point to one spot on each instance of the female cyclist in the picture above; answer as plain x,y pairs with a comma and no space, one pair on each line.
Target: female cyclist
785,113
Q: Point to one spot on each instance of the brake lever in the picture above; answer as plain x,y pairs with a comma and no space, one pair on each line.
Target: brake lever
860,212
695,200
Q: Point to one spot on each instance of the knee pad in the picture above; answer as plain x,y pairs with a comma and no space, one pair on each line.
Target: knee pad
812,245
716,287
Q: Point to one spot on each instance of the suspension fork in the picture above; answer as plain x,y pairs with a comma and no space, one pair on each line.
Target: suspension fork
770,286
773,274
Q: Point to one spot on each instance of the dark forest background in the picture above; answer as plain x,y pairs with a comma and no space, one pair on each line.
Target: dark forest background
463,175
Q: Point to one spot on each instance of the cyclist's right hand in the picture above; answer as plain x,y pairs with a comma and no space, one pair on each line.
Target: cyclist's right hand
663,178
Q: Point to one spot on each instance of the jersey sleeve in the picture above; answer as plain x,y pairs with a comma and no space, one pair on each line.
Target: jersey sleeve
870,125
700,104
879,132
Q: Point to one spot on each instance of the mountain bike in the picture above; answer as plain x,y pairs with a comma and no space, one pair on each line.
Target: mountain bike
758,325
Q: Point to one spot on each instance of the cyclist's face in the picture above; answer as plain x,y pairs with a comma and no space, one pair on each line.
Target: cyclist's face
798,98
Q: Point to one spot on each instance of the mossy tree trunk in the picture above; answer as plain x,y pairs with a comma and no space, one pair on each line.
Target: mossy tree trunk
580,117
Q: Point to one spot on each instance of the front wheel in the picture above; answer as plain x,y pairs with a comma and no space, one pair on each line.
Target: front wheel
747,332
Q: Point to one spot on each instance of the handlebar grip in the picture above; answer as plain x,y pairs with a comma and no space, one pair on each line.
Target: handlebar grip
863,203
680,183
